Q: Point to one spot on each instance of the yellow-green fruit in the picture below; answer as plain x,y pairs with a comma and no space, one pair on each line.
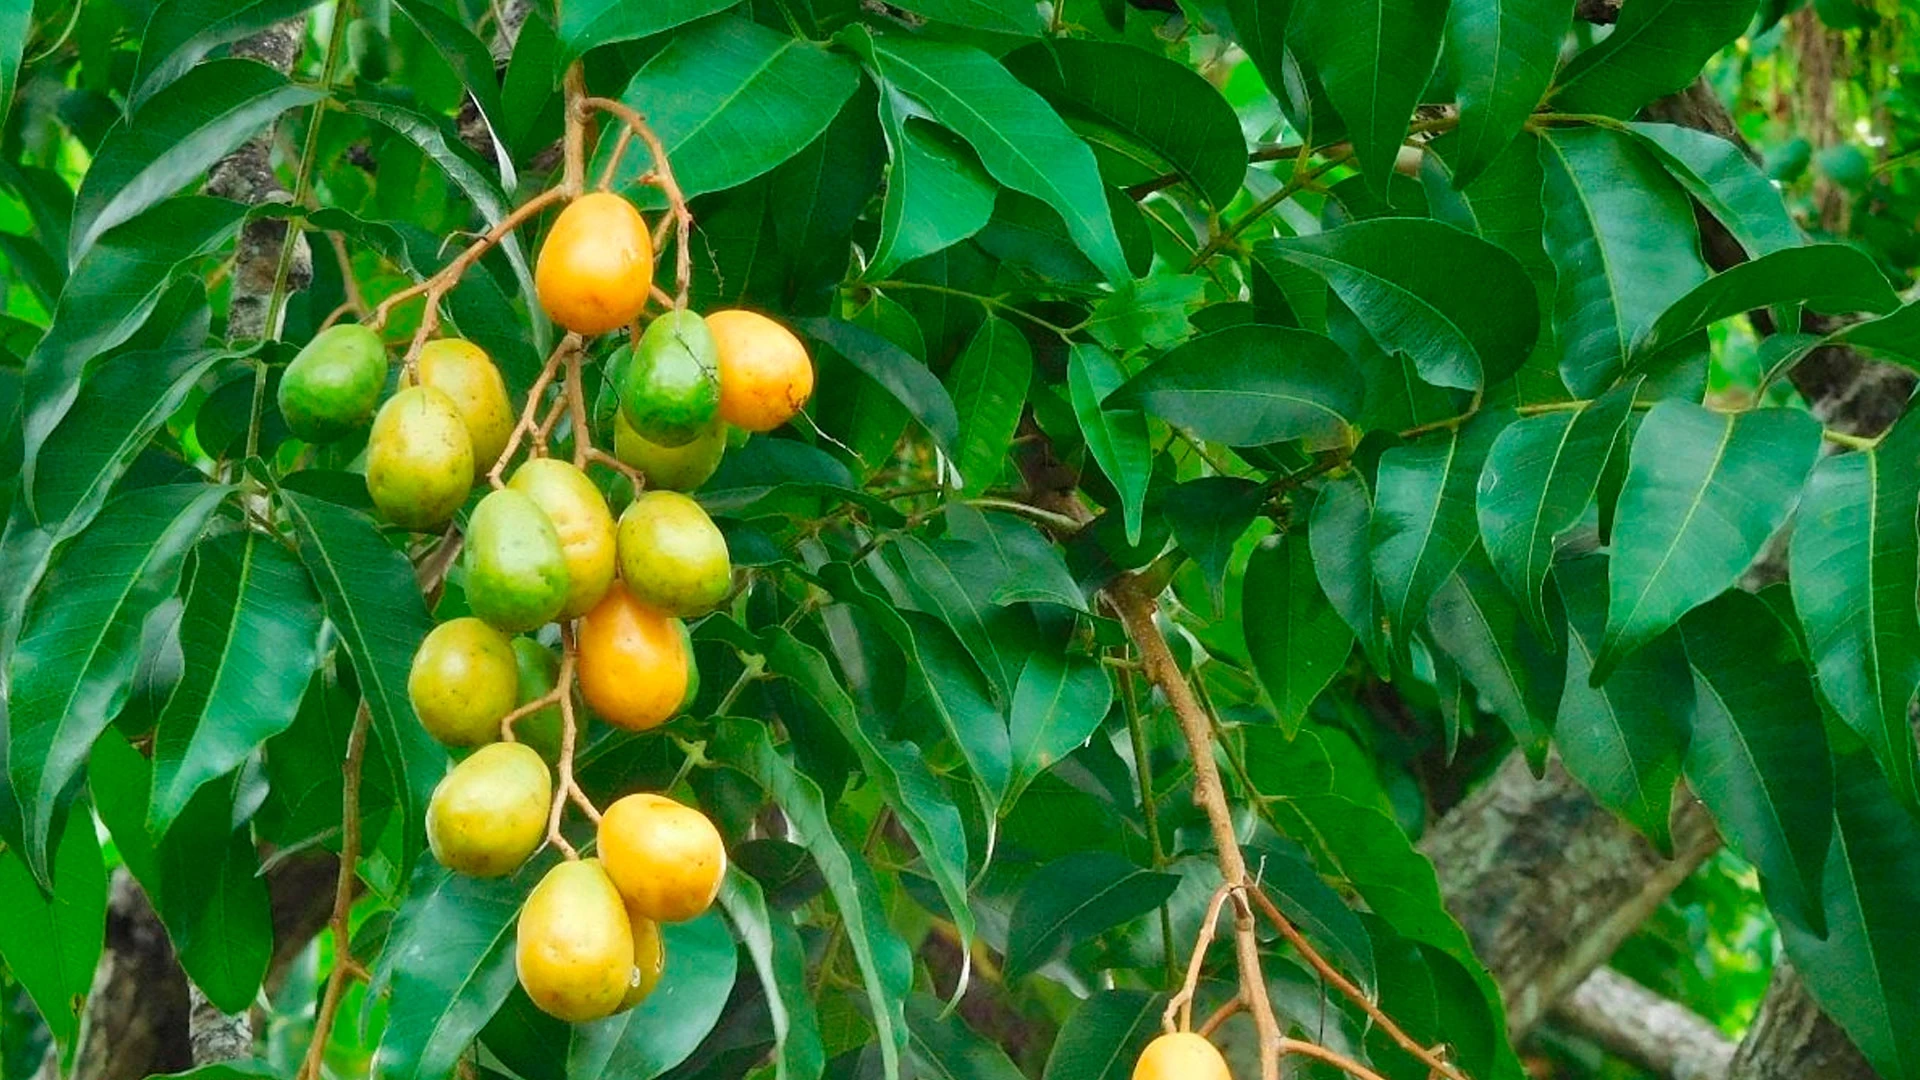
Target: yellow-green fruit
539,671
1181,1056
693,667
671,468
672,555
582,521
464,372
490,812
666,858
649,958
332,385
419,459
516,571
574,946
464,679
670,389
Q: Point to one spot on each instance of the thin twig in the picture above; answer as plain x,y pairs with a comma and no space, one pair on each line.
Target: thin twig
662,178
529,411
1179,1013
568,734
343,965
1331,1057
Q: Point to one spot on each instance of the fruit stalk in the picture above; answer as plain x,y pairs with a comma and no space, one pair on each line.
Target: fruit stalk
343,964
662,178
1179,1014
528,412
568,733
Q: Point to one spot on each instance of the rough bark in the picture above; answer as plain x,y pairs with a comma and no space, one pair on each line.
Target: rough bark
1791,1039
247,175
134,1025
1639,1026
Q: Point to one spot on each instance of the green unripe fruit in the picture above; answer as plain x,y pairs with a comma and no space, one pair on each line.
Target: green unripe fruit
332,385
464,679
672,556
671,468
490,812
419,459
670,390
516,571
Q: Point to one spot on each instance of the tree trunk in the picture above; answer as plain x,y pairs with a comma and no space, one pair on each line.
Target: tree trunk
1637,1025
1791,1039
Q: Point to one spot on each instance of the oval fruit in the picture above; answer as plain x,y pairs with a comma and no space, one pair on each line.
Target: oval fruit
670,390
464,372
633,662
672,555
573,946
582,521
464,679
595,269
333,383
419,459
666,858
671,468
539,670
490,812
765,374
649,958
1181,1056
516,571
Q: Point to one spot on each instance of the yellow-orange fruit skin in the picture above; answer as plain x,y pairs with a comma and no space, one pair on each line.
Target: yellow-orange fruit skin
765,374
666,858
649,958
633,662
595,269
573,947
1181,1056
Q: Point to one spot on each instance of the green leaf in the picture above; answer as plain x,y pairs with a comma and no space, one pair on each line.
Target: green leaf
1623,240
1704,491
370,596
896,370
1828,278
175,137
1058,704
1339,534
955,581
1209,515
1477,624
472,63
1002,16
449,961
1622,740
1103,1037
1854,566
730,100
1502,55
1117,438
1423,519
989,385
943,1047
781,962
1374,57
1464,310
1895,336
1758,756
180,32
1022,142
1075,898
1656,48
16,25
1027,566
937,193
52,941
1233,386
1152,313
1726,182
885,963
1165,107
816,197
76,655
251,633
1539,480
660,1032
1865,971
585,24
1296,638
1296,888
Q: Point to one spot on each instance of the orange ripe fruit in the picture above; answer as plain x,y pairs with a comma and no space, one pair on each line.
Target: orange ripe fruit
666,858
633,661
595,269
765,375
1181,1056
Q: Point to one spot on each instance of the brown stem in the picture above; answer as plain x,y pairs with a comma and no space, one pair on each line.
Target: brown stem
662,178
575,139
566,787
529,412
1331,1057
638,478
1181,1003
576,395
1232,1008
310,1068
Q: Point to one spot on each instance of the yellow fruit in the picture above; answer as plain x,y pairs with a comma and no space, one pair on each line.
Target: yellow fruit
633,663
765,375
464,679
581,519
419,459
671,468
665,858
464,372
649,958
516,571
573,948
334,382
596,267
490,812
672,555
539,671
1181,1056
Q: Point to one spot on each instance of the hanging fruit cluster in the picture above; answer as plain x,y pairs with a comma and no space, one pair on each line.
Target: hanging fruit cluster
542,546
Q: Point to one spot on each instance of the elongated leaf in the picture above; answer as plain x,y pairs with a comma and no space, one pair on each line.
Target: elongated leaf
1656,48
1058,704
1855,570
370,596
1117,438
1022,142
587,23
16,24
449,960
1288,876
1154,102
663,1030
1502,54
1340,536
1726,182
1703,493
943,1047
937,193
252,632
75,658
885,963
954,580
1374,58
1623,739
1622,238
906,378
816,197
1248,385
1295,636
1758,756
989,385
1104,1036
1075,898
1423,519
1209,515
1539,480
1828,278
1003,16
53,941
781,962
176,136
1024,566
180,32
472,63
1477,623
1895,337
